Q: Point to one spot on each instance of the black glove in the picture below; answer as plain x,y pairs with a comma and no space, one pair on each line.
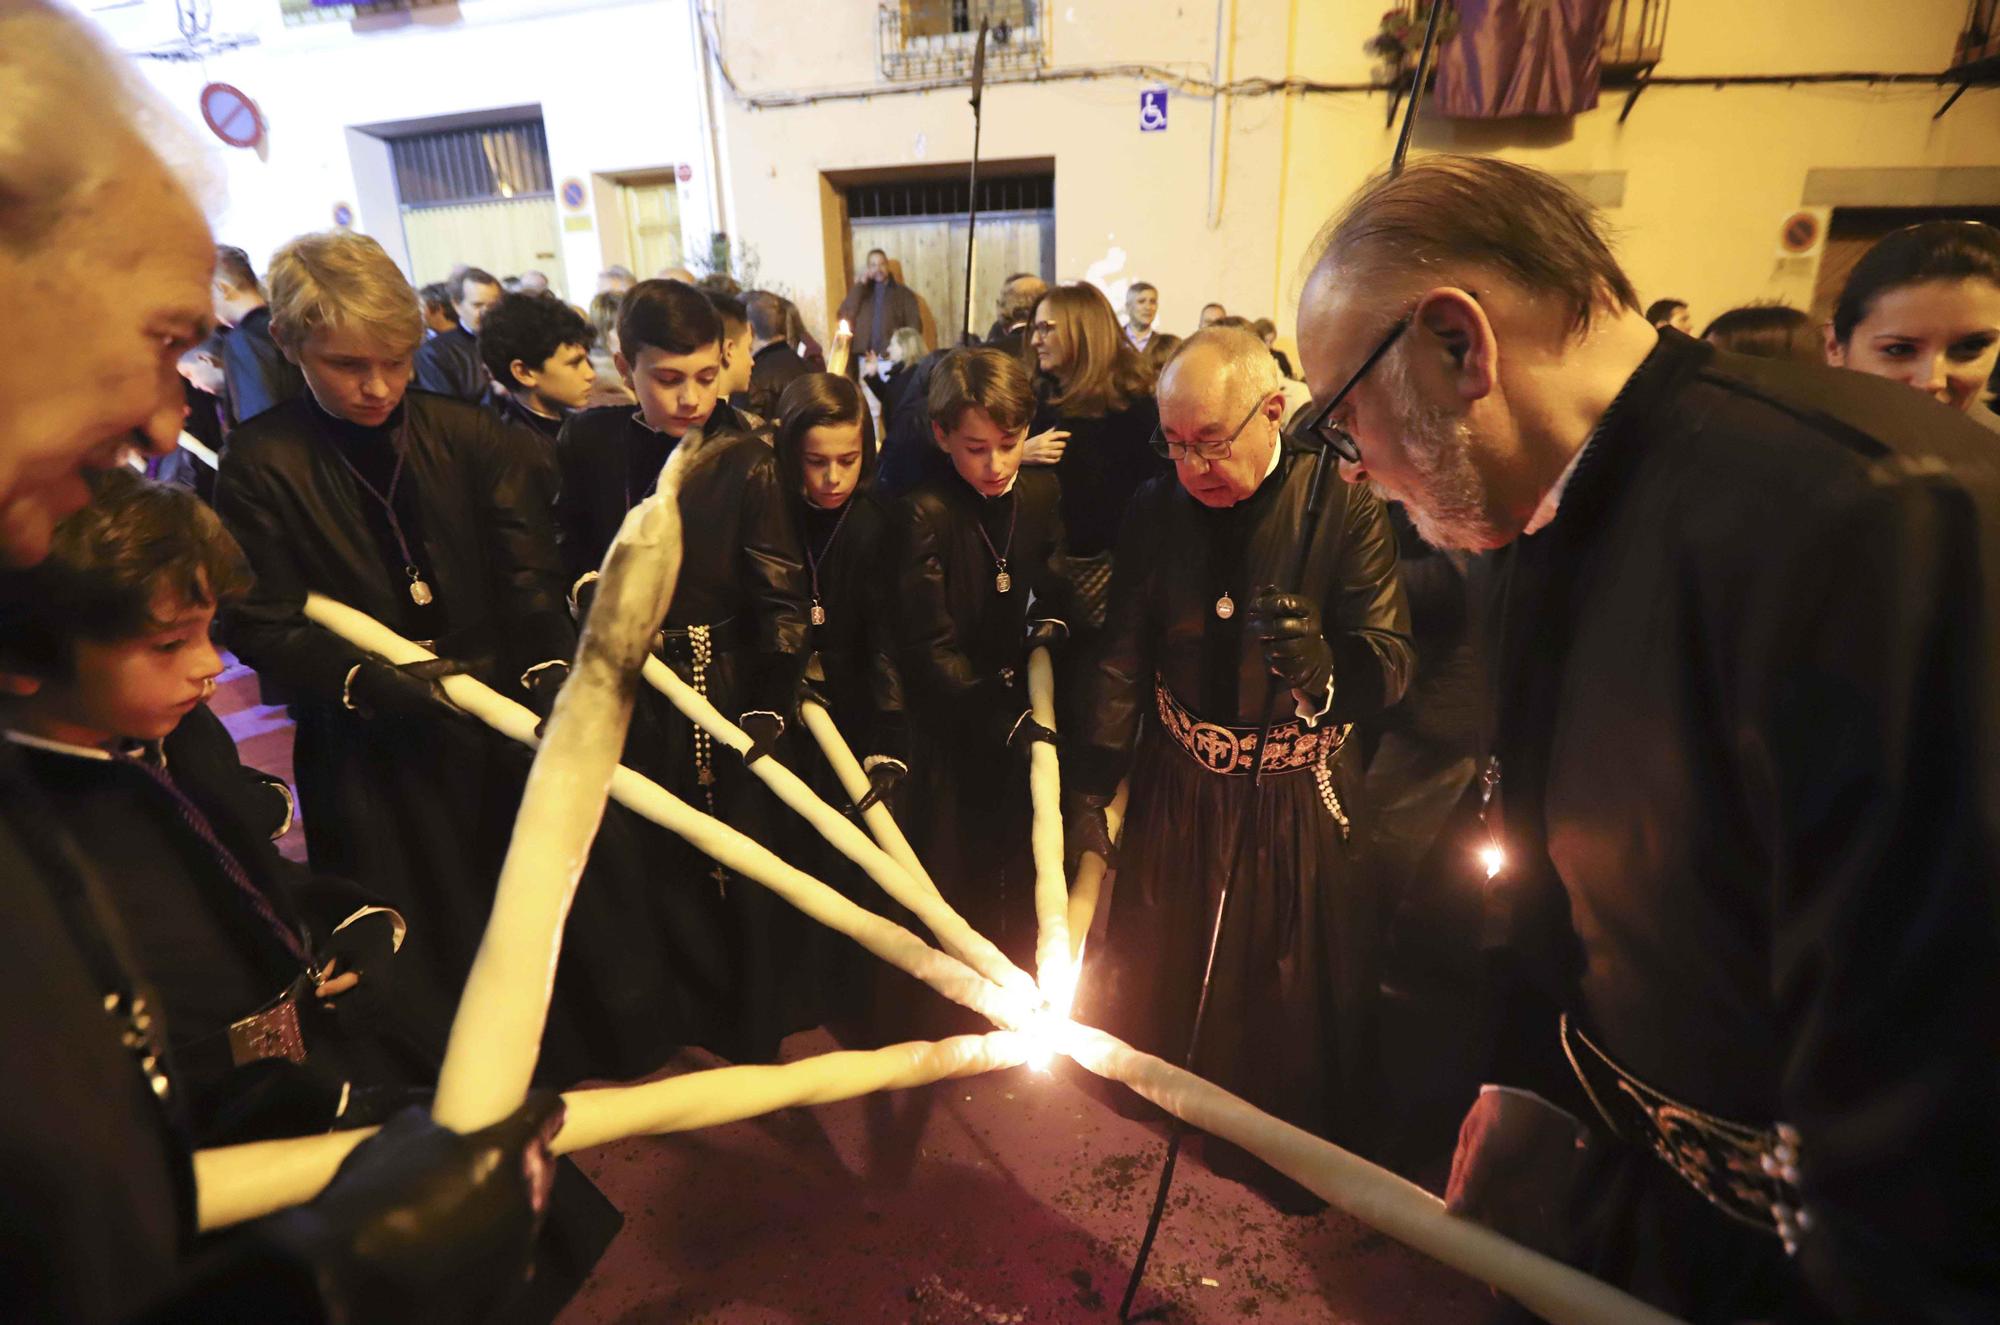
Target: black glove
883,775
1047,632
1295,647
764,729
1026,731
384,690
422,1224
809,692
368,949
1085,828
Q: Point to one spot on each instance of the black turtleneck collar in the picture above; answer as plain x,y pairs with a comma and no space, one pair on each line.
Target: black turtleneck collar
355,434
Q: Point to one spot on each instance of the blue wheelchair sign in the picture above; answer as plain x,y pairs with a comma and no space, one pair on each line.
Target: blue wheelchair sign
1153,110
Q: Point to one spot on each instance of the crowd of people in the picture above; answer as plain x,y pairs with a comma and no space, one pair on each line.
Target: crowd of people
1648,678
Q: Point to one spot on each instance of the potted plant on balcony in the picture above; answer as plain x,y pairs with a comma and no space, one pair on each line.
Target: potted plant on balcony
1401,34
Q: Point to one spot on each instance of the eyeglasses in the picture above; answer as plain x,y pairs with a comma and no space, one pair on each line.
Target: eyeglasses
1179,451
1320,425
1041,328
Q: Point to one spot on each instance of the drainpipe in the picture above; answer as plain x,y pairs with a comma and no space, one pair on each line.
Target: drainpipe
1223,70
718,184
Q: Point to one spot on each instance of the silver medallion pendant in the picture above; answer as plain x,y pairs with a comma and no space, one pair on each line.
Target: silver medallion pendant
818,615
1003,582
1225,606
420,593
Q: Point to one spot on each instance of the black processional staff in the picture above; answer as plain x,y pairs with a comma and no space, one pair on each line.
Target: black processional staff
972,180
1315,504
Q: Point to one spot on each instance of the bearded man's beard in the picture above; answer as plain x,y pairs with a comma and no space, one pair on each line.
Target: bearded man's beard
1446,499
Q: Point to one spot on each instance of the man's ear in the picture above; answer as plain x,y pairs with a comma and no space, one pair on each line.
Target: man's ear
1458,325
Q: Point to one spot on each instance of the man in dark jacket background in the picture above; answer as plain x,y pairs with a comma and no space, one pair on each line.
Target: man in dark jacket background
877,305
256,374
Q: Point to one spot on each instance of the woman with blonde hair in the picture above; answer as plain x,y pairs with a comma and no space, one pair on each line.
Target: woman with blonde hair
1095,425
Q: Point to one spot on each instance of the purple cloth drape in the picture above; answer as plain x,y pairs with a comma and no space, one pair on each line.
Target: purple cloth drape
1522,57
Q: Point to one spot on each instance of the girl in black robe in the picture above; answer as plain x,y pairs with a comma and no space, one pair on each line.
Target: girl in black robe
826,455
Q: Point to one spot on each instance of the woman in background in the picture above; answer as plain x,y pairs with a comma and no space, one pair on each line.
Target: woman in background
1922,307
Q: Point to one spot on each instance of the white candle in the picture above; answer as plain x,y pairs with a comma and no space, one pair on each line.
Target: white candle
236,1183
922,899
1055,968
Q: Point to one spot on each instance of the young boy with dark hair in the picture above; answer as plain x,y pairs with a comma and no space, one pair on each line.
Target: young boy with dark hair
275,984
734,384
979,584
538,349
737,631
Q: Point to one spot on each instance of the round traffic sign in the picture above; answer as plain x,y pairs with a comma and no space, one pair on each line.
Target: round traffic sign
231,115
572,194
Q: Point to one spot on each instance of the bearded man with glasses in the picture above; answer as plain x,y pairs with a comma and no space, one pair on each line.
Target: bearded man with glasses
1202,620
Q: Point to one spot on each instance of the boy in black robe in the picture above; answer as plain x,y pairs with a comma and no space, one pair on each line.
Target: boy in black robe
979,583
430,516
275,987
736,631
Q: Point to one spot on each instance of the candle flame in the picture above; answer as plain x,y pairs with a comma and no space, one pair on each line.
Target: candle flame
1492,858
845,330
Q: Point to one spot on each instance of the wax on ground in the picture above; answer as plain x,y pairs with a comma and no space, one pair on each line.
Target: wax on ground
237,1183
1375,1196
922,899
1054,967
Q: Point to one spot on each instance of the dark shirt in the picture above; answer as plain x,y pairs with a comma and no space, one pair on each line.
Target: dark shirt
448,364
772,369
876,311
1107,459
1744,697
256,373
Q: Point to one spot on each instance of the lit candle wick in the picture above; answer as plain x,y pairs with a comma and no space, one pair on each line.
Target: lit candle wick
1493,858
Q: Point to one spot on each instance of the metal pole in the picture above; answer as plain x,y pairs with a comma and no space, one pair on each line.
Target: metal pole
972,185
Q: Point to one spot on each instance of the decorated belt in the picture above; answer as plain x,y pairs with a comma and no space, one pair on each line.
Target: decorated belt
1750,1173
1232,751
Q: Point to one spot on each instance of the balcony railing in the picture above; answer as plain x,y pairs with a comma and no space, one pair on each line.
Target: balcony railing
928,39
1979,40
1634,35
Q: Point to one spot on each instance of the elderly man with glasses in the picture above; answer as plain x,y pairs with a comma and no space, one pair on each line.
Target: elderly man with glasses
1203,620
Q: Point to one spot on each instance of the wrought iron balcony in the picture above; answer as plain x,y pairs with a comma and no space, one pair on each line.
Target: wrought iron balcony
918,40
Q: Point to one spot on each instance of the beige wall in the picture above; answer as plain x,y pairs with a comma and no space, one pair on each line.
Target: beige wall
1710,173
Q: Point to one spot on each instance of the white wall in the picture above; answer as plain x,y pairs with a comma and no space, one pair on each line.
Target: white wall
614,79
1710,172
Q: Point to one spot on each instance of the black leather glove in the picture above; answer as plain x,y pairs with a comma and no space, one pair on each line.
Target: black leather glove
1085,828
1026,731
1295,647
884,772
1047,632
367,948
424,1225
384,690
809,692
764,729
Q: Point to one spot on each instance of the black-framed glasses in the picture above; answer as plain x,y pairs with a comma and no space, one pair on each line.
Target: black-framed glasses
1043,329
1319,424
1179,451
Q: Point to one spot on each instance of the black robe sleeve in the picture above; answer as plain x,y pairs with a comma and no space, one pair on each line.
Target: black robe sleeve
771,564
936,667
510,488
1883,896
1367,618
268,629
1120,673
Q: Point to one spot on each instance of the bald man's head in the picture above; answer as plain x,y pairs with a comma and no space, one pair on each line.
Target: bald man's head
121,300
1221,387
